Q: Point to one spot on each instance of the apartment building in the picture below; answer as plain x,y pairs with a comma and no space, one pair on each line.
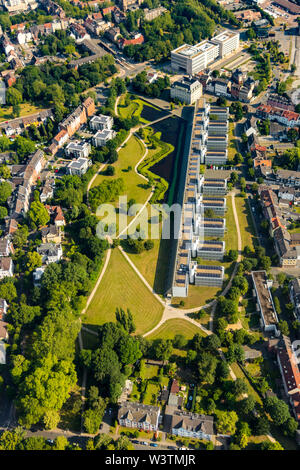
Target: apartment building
186,90
214,157
101,122
79,167
139,416
217,128
218,205
294,292
186,424
208,249
102,137
265,305
78,149
202,275
150,15
214,186
210,227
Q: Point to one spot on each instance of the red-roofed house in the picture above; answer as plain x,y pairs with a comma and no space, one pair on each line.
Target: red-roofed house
138,39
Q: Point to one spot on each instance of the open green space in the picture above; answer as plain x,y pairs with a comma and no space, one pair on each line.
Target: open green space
239,373
121,287
133,108
152,264
245,221
6,112
231,142
129,155
176,326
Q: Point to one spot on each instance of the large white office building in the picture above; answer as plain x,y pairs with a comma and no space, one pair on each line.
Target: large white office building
193,59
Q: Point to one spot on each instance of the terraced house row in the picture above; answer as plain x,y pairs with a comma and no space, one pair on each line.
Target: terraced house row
200,195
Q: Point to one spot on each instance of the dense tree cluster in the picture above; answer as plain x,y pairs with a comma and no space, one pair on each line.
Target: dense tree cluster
186,21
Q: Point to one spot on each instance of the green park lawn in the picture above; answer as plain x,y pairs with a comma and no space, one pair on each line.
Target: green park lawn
246,225
153,264
25,110
121,287
129,156
135,108
176,326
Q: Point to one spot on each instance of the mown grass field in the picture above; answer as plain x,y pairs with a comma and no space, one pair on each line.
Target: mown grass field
176,326
153,264
246,225
134,108
135,185
121,287
26,110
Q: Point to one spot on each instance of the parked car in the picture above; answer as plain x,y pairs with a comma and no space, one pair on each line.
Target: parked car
144,443
152,444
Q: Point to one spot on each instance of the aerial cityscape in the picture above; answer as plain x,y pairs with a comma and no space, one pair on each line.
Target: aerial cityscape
149,227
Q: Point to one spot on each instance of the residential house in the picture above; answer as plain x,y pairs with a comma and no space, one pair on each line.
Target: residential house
6,267
50,253
137,415
56,215
138,38
294,292
3,308
3,330
51,234
187,90
6,247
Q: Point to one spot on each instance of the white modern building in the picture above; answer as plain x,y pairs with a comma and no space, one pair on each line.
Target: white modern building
78,149
228,42
193,59
102,137
79,167
101,122
187,90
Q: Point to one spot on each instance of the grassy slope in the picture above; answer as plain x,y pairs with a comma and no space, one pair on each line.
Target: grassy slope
121,287
26,110
245,220
129,155
175,327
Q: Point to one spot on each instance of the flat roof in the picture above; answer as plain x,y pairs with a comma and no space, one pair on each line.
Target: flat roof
265,297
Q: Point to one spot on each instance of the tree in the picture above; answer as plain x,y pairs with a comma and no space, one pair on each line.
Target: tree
265,263
51,419
129,350
278,410
262,426
3,212
13,96
38,214
162,348
91,421
235,353
267,445
247,405
284,327
179,341
243,434
211,342
222,370
60,443
34,260
5,191
240,387
11,440
226,422
207,365
290,427
232,255
8,290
